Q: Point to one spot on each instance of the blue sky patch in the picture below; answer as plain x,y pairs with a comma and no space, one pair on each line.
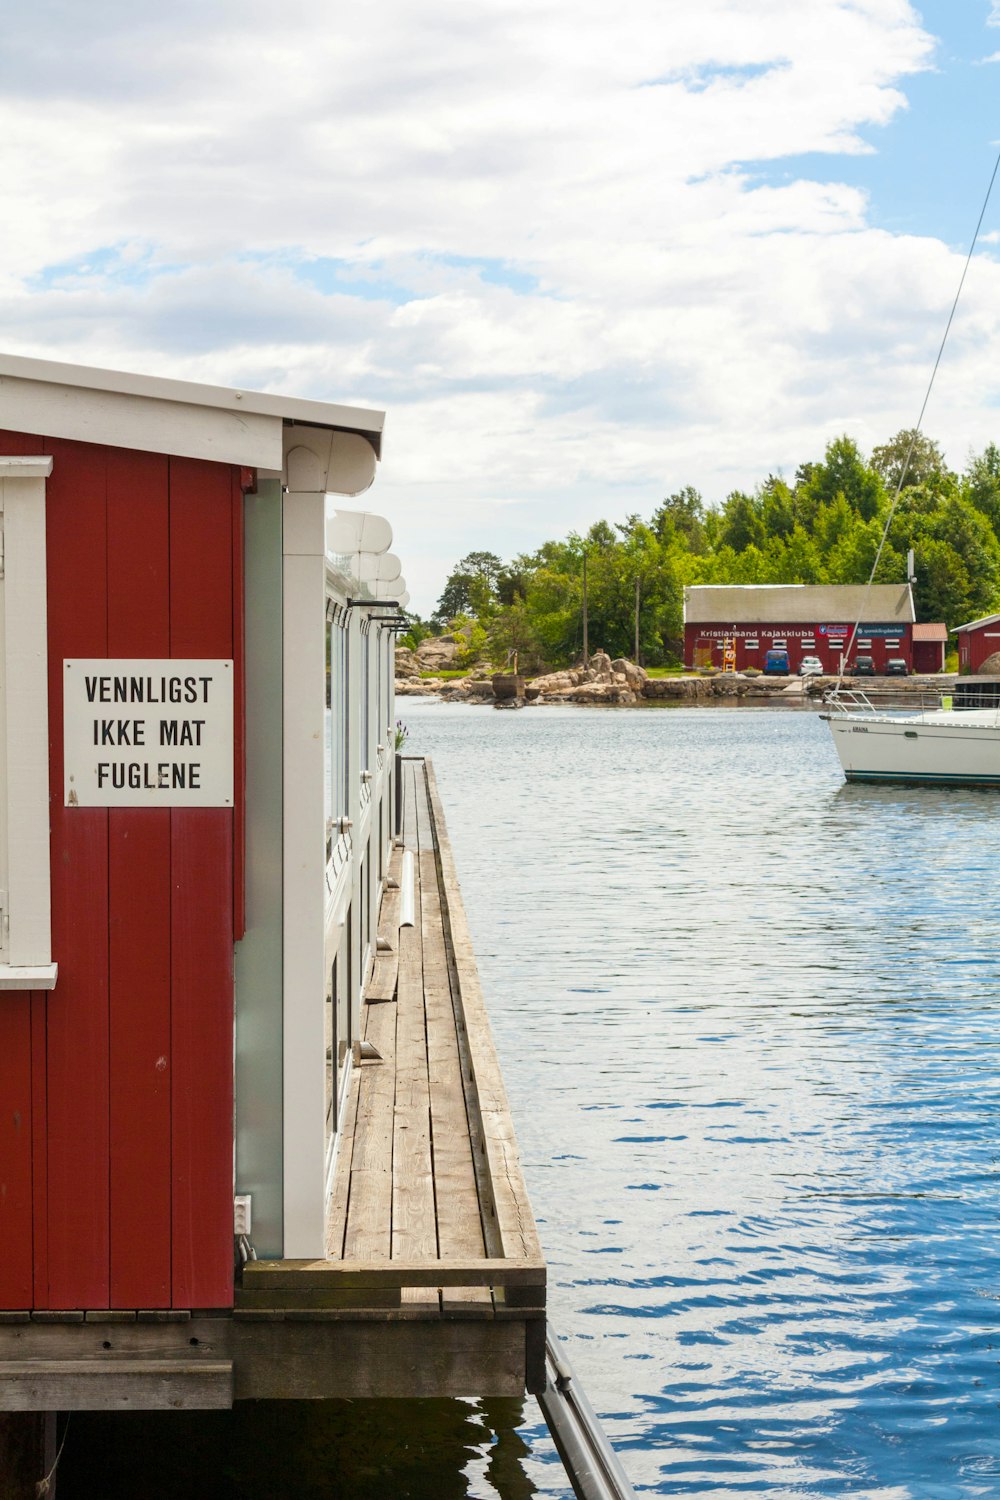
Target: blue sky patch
929,168
122,264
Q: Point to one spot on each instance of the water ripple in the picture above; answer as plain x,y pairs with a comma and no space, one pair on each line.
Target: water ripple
790,1289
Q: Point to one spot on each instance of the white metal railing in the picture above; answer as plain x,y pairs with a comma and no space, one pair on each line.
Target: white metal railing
896,700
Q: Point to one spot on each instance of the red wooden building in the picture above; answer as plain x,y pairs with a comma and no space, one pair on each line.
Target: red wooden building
976,641
930,643
170,613
803,619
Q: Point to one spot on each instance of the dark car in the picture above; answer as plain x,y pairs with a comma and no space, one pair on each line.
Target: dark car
896,667
776,660
864,666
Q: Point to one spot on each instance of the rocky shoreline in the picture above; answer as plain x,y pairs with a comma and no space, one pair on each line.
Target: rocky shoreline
604,681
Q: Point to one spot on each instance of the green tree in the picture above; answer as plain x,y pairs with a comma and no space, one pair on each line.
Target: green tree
470,588
741,525
777,507
682,516
842,472
908,459
981,483
512,630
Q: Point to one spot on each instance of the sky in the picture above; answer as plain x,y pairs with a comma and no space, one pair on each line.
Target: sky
581,254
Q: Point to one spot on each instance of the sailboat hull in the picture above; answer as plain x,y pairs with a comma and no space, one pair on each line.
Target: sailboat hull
940,748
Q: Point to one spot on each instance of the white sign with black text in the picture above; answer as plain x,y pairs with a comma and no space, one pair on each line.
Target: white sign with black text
148,733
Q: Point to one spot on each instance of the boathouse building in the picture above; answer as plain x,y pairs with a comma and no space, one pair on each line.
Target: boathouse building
253,1136
748,620
977,640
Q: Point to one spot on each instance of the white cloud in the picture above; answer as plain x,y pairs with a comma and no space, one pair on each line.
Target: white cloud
334,208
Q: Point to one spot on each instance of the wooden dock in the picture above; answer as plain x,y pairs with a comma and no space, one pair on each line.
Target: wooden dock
434,1281
429,1223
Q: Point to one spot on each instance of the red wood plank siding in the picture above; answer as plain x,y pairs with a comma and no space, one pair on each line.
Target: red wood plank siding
201,624
139,895
15,1151
39,1148
78,1207
116,1089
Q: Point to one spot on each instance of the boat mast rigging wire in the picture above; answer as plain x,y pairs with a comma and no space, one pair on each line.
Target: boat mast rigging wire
845,655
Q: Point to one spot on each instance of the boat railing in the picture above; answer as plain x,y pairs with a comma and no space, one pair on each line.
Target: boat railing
891,699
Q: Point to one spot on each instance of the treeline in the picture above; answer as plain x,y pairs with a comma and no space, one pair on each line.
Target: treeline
824,527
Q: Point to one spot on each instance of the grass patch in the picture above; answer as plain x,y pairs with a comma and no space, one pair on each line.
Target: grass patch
447,674
667,672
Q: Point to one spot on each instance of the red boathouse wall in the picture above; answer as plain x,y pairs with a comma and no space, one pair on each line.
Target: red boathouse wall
974,646
116,1088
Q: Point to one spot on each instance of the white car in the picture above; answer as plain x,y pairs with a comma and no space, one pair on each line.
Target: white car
810,666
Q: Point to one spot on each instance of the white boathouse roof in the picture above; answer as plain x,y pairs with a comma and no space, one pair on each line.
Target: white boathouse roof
161,415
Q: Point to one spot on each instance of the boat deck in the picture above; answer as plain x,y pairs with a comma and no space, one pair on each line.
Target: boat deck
429,1219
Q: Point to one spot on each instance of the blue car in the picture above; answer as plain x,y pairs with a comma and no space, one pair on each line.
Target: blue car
776,661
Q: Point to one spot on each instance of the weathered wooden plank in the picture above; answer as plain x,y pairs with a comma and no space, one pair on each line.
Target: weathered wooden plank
460,1232
404,1357
423,1273
201,1338
382,984
515,1219
455,1300
414,1228
423,1300
305,1298
425,829
93,1385
381,987
369,1212
409,804
336,1217
388,916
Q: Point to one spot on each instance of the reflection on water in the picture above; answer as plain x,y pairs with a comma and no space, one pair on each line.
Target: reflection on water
746,1019
273,1450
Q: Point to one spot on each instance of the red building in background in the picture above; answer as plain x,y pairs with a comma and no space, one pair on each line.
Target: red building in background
976,641
804,619
930,643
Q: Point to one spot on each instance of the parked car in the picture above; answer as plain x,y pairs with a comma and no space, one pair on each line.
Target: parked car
864,666
896,667
776,660
810,666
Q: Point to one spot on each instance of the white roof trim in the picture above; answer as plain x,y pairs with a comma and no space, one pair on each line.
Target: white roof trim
191,393
25,468
974,624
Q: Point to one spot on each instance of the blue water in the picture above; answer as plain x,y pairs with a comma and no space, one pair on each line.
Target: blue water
747,1020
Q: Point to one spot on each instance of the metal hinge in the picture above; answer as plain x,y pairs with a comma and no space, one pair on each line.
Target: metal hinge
2,558
241,1214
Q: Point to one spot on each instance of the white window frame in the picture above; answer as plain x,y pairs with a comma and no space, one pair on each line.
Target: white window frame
26,920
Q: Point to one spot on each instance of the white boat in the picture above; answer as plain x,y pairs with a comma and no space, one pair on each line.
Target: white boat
948,744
